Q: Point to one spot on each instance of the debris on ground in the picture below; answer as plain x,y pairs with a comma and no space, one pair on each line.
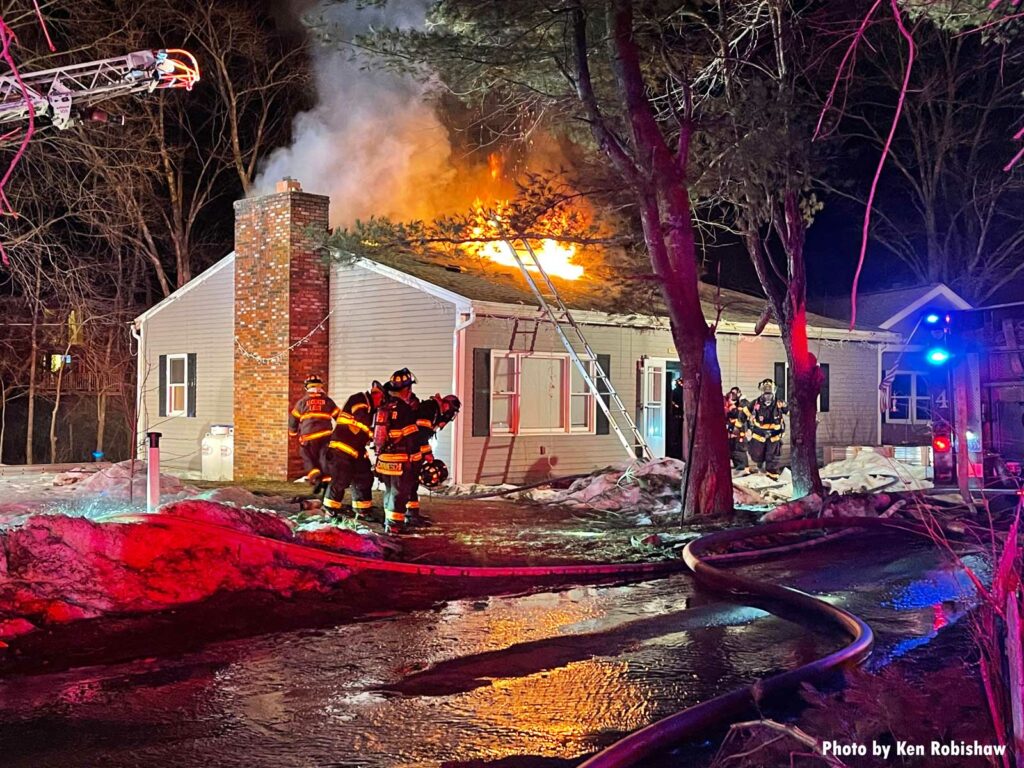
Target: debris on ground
56,568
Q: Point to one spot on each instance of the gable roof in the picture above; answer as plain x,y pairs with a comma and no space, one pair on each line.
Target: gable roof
196,281
595,292
884,309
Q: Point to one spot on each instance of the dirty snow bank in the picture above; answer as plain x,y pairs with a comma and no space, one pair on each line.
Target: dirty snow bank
56,568
652,489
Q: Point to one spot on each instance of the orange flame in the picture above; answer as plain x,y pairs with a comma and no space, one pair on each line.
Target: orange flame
556,258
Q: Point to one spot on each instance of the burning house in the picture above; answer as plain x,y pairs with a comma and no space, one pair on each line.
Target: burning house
233,346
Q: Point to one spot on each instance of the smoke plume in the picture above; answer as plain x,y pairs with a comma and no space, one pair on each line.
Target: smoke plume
373,142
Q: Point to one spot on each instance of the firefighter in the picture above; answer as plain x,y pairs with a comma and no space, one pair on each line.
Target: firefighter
345,458
736,423
433,415
396,441
764,417
311,421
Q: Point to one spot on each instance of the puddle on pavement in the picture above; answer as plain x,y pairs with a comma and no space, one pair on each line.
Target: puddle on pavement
536,680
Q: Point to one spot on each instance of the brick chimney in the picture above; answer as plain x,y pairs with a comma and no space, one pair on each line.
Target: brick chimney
281,300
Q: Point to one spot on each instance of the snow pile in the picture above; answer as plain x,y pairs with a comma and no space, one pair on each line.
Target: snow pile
869,471
243,497
125,480
56,568
345,540
652,488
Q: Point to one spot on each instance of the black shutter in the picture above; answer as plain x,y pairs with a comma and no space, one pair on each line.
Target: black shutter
885,411
823,398
601,425
190,378
481,392
163,385
781,380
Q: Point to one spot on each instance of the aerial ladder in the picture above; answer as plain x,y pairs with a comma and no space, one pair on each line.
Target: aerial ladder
67,96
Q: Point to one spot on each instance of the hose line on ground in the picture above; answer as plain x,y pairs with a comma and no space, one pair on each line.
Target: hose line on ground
674,729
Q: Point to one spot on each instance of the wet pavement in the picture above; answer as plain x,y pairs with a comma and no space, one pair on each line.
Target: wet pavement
533,680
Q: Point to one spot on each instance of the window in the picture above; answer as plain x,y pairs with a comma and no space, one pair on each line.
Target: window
909,400
539,393
177,385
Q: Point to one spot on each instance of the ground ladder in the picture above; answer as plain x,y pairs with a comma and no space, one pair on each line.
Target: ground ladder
608,400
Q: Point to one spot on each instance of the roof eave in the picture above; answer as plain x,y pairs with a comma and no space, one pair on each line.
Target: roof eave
592,317
193,283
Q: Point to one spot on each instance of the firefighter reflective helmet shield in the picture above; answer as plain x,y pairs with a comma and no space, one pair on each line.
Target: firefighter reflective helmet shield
433,473
402,379
313,382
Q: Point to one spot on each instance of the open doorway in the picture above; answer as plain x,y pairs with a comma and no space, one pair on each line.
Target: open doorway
673,411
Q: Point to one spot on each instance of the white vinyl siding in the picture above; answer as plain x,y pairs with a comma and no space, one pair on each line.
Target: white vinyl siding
200,320
380,325
744,360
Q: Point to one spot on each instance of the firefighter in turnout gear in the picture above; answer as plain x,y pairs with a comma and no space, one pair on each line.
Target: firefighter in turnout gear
765,419
433,415
345,458
736,423
396,440
311,421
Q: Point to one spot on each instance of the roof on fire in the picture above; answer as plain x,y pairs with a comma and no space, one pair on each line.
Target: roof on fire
601,292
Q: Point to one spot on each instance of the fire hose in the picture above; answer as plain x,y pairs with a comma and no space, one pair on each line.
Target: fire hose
688,723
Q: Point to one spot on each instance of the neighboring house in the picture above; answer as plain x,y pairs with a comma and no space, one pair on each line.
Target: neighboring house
233,347
912,381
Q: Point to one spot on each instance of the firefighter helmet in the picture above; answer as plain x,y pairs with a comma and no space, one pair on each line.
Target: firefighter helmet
433,473
767,386
453,403
402,379
736,393
313,381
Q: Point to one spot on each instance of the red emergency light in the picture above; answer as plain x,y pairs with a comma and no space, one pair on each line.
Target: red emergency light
941,444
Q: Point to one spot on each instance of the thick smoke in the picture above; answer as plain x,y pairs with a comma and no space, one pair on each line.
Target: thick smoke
372,143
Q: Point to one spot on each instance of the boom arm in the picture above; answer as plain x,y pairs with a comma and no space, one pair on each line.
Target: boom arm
64,94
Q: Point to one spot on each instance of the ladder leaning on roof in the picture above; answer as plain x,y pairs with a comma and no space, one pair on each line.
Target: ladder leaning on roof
552,305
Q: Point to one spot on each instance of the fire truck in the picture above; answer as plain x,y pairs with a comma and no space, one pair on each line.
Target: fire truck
978,417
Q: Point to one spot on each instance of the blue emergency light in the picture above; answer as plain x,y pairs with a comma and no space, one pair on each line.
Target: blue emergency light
937,355
931,318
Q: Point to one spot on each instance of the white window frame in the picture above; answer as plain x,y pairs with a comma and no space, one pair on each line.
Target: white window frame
913,398
171,387
516,393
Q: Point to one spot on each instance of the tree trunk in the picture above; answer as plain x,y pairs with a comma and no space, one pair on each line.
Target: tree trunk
101,420
3,417
806,379
54,414
32,372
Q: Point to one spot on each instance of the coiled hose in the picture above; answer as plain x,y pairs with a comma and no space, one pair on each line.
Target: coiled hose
691,722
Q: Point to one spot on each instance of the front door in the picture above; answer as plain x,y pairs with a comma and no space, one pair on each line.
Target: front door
652,404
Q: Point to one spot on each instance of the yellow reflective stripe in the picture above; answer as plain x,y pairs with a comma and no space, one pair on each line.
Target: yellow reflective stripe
332,504
314,415
394,517
362,504
393,433
343,447
292,433
424,423
335,412
416,457
411,429
296,413
314,435
394,457
412,505
312,473
351,422
759,438
357,406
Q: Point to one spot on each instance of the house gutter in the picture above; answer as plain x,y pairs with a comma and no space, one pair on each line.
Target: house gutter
652,322
465,316
137,329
